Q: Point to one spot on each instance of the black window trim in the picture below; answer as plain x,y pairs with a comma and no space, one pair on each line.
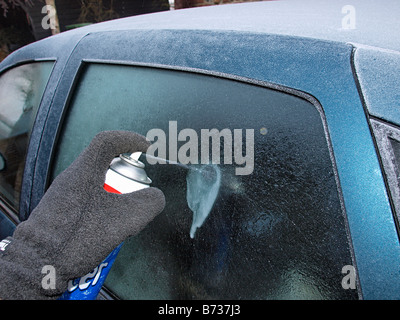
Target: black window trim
27,61
9,211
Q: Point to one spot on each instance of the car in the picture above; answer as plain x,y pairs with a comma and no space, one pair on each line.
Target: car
294,103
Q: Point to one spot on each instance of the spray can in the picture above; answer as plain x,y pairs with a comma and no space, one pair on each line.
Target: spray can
126,174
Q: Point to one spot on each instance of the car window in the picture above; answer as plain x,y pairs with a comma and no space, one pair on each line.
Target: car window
263,221
21,90
388,141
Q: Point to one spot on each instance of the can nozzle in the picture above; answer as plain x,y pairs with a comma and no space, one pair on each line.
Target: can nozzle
132,159
135,155
130,167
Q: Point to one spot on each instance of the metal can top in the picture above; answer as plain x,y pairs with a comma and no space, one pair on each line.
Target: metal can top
131,168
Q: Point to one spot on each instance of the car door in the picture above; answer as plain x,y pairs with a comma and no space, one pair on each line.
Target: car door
300,224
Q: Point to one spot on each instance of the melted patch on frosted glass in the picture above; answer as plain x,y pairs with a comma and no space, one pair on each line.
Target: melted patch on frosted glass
202,190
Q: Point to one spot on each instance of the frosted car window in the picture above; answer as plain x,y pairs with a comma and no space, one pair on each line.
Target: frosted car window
21,90
277,232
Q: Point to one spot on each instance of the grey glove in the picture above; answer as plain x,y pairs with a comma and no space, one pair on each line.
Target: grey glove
77,223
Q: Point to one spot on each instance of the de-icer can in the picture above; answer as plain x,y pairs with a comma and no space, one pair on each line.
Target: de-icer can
126,174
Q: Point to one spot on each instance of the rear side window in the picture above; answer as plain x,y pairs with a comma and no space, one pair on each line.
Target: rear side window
21,90
268,222
388,140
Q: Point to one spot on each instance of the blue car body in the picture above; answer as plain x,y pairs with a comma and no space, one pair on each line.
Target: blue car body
353,74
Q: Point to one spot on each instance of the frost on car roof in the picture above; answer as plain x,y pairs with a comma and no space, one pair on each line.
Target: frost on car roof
379,78
376,22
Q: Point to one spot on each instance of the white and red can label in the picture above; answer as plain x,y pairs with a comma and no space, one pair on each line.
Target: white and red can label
117,183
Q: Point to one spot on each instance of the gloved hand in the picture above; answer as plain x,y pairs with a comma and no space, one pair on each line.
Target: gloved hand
77,223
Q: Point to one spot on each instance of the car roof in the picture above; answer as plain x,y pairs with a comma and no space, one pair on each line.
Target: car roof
376,23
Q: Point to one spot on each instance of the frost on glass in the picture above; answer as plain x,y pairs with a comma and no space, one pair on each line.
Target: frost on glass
388,141
277,233
21,90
